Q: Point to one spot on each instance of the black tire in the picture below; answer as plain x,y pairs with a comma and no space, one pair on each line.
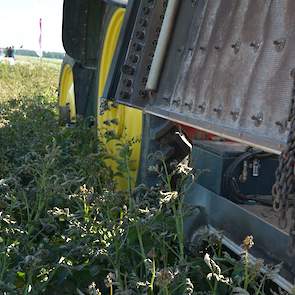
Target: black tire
86,79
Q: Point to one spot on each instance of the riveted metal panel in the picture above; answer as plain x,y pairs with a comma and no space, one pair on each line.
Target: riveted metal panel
235,76
228,68
141,47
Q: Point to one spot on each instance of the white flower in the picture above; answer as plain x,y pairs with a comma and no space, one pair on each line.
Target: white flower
167,197
215,271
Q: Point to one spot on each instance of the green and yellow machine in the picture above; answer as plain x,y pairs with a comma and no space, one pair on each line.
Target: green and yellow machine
212,80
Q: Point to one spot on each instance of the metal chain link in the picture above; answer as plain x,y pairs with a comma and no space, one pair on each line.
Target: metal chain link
283,189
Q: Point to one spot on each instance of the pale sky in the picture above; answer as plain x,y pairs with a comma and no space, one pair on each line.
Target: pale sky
19,24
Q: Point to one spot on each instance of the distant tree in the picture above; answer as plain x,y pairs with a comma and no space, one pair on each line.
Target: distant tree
46,54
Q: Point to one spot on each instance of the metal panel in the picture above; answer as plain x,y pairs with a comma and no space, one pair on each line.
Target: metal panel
121,50
136,67
238,74
236,223
228,68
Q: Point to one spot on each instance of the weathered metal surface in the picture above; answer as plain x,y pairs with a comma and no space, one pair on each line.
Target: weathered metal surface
227,70
238,73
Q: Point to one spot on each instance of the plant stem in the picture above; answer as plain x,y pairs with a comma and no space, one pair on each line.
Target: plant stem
153,276
246,274
260,286
3,266
139,237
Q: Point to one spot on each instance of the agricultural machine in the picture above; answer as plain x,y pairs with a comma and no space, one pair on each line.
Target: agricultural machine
210,79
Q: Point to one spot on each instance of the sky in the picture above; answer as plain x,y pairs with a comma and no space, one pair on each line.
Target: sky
19,24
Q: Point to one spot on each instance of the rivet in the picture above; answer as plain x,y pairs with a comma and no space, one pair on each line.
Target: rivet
126,69
282,126
255,45
176,102
218,110
235,115
188,105
142,93
236,46
139,35
127,83
137,47
202,107
134,58
258,119
279,44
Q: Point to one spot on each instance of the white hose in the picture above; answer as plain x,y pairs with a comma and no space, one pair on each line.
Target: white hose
162,45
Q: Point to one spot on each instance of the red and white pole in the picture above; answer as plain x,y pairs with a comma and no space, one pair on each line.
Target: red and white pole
40,38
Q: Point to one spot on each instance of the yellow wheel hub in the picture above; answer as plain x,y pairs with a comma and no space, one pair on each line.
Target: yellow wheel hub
67,95
125,122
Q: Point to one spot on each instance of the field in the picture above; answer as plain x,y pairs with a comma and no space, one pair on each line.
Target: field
64,229
35,60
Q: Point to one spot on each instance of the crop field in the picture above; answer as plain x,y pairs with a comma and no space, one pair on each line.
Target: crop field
52,62
65,229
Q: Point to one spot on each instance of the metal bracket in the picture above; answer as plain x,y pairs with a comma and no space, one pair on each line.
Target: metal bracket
142,45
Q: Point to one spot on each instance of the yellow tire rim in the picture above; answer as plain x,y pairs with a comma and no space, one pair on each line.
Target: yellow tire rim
66,94
125,122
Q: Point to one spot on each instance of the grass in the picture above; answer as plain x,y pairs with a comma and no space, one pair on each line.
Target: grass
54,62
64,229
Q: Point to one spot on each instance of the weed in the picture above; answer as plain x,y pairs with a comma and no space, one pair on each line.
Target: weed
64,229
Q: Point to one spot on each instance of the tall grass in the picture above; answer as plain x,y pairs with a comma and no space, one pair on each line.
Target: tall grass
64,229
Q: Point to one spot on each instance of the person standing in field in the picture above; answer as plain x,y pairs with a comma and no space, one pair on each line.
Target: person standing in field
10,55
9,52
